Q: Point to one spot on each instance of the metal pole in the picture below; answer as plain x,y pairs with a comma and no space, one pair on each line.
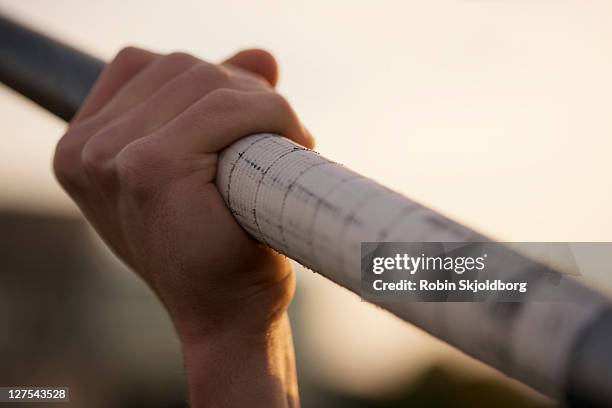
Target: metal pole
52,74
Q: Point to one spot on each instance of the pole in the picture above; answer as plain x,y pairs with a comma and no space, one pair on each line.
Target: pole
306,206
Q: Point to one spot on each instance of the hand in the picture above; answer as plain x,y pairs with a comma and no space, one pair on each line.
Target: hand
140,159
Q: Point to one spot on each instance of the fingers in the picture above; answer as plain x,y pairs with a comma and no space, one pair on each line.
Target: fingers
185,106
183,91
186,148
225,116
258,62
137,89
127,64
142,86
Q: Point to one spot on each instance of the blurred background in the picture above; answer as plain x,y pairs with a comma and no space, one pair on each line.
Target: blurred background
496,113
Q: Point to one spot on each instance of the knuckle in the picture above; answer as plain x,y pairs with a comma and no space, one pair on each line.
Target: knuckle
178,59
95,155
127,56
225,100
65,160
280,105
136,165
280,102
206,73
221,72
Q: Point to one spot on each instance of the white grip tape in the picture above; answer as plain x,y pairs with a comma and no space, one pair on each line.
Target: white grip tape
318,212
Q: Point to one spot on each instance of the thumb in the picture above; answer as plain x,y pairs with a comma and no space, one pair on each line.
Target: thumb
258,62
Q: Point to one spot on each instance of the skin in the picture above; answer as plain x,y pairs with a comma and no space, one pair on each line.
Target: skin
139,159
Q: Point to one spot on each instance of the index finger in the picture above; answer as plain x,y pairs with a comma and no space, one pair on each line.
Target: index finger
126,64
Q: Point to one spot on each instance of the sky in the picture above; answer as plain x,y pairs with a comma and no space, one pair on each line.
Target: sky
497,113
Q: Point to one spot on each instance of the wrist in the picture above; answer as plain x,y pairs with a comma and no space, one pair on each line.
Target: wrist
243,366
254,310
200,346
251,325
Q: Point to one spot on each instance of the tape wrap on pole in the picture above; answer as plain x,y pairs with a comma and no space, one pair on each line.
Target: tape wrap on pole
318,212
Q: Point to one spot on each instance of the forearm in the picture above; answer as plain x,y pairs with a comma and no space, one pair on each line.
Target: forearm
237,370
